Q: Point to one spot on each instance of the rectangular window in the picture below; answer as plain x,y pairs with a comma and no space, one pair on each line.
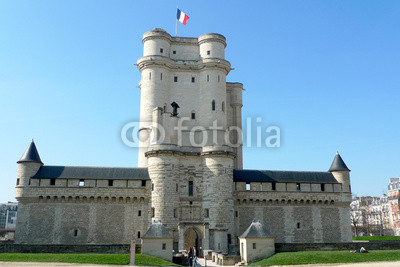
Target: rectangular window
193,115
248,187
176,188
219,78
110,182
174,52
298,187
17,181
193,79
254,246
139,213
149,75
208,52
207,213
175,79
81,182
322,187
164,246
152,187
52,181
273,186
76,232
236,214
143,183
160,76
153,212
298,225
208,78
190,188
161,50
138,234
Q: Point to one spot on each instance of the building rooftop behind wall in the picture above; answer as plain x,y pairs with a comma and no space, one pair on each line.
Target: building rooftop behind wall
92,172
283,176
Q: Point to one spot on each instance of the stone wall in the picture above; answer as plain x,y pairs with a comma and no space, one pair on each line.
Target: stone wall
290,222
81,222
107,249
124,248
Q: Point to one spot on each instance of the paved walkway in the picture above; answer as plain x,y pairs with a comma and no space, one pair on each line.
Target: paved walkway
360,264
201,261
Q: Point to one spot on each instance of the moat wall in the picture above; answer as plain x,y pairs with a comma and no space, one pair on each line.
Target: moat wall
124,248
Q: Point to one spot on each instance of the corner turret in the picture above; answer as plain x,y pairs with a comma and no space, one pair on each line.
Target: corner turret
31,154
341,172
28,166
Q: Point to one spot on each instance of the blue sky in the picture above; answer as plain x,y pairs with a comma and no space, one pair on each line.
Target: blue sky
325,72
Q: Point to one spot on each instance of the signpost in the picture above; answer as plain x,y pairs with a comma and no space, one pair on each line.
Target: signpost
132,249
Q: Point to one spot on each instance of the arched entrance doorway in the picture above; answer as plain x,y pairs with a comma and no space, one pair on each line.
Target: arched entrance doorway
193,238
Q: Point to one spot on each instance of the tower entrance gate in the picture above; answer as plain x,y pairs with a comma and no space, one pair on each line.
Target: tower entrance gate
193,238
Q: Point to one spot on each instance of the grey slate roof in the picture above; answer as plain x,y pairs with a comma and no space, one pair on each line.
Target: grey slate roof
31,154
338,164
256,230
92,173
283,176
157,230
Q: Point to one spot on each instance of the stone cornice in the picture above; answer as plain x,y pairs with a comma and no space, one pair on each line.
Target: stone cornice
160,152
219,153
185,65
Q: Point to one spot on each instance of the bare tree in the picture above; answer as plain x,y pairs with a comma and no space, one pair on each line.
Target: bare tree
355,218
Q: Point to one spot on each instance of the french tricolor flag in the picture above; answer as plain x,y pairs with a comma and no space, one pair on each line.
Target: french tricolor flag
182,17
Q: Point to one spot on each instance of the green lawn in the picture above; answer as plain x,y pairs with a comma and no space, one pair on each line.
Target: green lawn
117,259
376,238
313,257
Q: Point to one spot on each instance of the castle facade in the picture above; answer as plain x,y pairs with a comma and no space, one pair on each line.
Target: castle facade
190,175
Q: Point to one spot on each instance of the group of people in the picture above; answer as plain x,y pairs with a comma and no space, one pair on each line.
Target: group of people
192,257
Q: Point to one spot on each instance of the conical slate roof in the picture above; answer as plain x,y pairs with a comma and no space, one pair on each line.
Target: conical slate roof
157,230
338,164
31,154
256,230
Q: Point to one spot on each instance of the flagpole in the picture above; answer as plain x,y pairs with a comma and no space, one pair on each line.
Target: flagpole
176,23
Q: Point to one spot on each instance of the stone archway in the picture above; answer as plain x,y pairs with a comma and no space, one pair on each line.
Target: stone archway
192,238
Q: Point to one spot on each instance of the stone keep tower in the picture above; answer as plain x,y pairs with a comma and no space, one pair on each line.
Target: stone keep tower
190,156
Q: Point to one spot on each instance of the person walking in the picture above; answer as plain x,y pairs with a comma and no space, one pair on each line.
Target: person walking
194,257
190,256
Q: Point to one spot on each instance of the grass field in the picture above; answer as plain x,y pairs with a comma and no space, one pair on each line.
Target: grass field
376,238
116,259
313,257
